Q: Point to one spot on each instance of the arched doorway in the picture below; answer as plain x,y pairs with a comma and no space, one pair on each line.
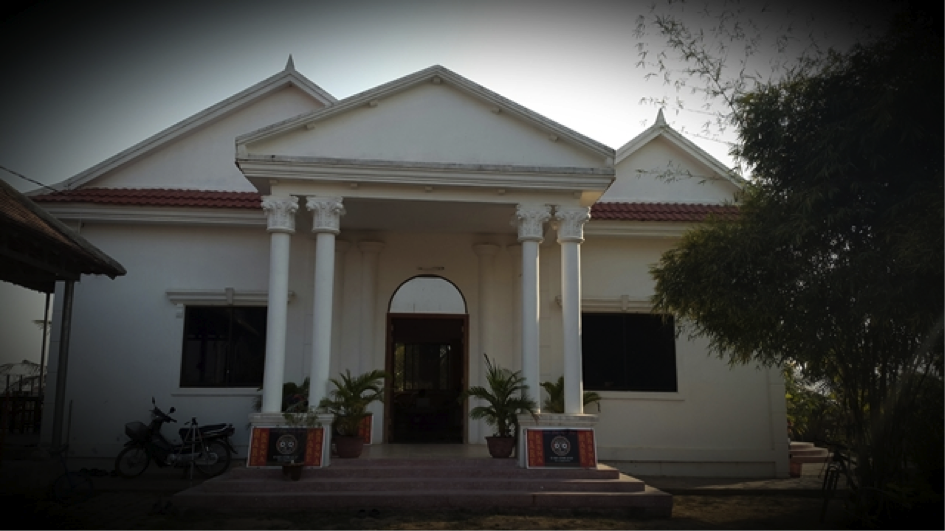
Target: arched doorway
426,354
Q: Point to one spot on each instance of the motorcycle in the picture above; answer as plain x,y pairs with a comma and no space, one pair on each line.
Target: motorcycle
206,448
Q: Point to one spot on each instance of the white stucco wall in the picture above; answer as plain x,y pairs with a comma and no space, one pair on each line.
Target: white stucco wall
729,420
641,177
127,338
203,160
429,123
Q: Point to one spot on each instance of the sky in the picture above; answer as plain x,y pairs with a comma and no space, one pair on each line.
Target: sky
84,81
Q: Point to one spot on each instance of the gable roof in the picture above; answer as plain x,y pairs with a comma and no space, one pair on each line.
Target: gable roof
36,249
435,74
289,76
662,129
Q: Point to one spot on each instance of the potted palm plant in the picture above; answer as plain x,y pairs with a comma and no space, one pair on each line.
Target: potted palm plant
555,401
348,402
506,397
300,418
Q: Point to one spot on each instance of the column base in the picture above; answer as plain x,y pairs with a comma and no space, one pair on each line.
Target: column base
265,427
563,420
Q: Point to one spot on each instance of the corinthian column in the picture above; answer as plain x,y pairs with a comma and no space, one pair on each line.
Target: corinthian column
281,217
570,221
326,219
530,220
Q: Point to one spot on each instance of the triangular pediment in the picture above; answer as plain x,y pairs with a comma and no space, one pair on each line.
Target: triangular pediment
196,153
661,165
431,117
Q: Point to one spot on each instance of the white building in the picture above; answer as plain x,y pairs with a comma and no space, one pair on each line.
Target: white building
407,228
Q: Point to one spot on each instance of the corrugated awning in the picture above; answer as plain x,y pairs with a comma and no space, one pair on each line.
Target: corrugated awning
37,250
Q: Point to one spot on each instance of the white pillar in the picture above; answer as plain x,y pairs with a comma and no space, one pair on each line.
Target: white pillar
281,217
487,308
326,219
370,252
337,323
530,220
570,224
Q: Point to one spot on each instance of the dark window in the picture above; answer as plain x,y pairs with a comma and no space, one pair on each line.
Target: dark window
628,352
224,346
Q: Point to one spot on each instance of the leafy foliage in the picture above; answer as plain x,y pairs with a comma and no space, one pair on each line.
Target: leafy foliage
293,394
555,401
506,398
350,398
812,409
835,262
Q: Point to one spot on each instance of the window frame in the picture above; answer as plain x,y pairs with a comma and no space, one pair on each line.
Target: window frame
627,370
180,299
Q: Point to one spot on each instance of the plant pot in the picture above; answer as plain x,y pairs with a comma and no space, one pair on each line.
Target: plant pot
500,447
348,447
293,470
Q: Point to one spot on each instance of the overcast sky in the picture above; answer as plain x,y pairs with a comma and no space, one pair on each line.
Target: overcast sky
84,81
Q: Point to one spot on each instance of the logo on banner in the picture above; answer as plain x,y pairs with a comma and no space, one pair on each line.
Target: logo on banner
287,444
560,446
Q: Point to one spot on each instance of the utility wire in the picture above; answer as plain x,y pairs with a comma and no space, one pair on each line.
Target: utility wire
21,176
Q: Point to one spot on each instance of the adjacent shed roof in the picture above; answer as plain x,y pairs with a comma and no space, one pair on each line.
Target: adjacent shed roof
37,250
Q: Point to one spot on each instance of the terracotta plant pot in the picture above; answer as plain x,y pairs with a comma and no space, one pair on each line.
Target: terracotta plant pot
349,447
500,447
293,470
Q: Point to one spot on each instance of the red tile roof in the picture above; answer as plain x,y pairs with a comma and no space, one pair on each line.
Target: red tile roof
660,212
154,197
251,200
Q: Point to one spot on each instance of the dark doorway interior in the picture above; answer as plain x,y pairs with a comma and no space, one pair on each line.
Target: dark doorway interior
427,359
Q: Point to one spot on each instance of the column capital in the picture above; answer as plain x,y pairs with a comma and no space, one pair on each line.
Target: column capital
326,213
530,220
485,249
570,223
371,247
280,211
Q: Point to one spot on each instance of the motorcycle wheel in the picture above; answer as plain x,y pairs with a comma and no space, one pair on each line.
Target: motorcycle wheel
213,459
132,461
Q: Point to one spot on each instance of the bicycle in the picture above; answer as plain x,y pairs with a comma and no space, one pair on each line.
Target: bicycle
841,463
70,487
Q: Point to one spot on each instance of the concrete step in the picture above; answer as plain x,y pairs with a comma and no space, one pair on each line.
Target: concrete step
432,484
810,458
648,503
810,452
311,483
602,472
799,445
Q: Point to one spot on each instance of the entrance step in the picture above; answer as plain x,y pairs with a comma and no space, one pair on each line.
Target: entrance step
805,452
430,484
808,453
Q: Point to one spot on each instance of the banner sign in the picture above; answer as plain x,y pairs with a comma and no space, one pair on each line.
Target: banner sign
560,448
277,446
366,428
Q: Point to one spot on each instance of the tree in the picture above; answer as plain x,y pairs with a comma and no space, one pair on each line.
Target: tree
835,261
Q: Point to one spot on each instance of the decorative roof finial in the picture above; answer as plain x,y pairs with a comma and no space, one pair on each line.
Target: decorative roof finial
290,64
659,116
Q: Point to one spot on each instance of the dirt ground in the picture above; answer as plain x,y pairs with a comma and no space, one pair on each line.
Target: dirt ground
141,511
